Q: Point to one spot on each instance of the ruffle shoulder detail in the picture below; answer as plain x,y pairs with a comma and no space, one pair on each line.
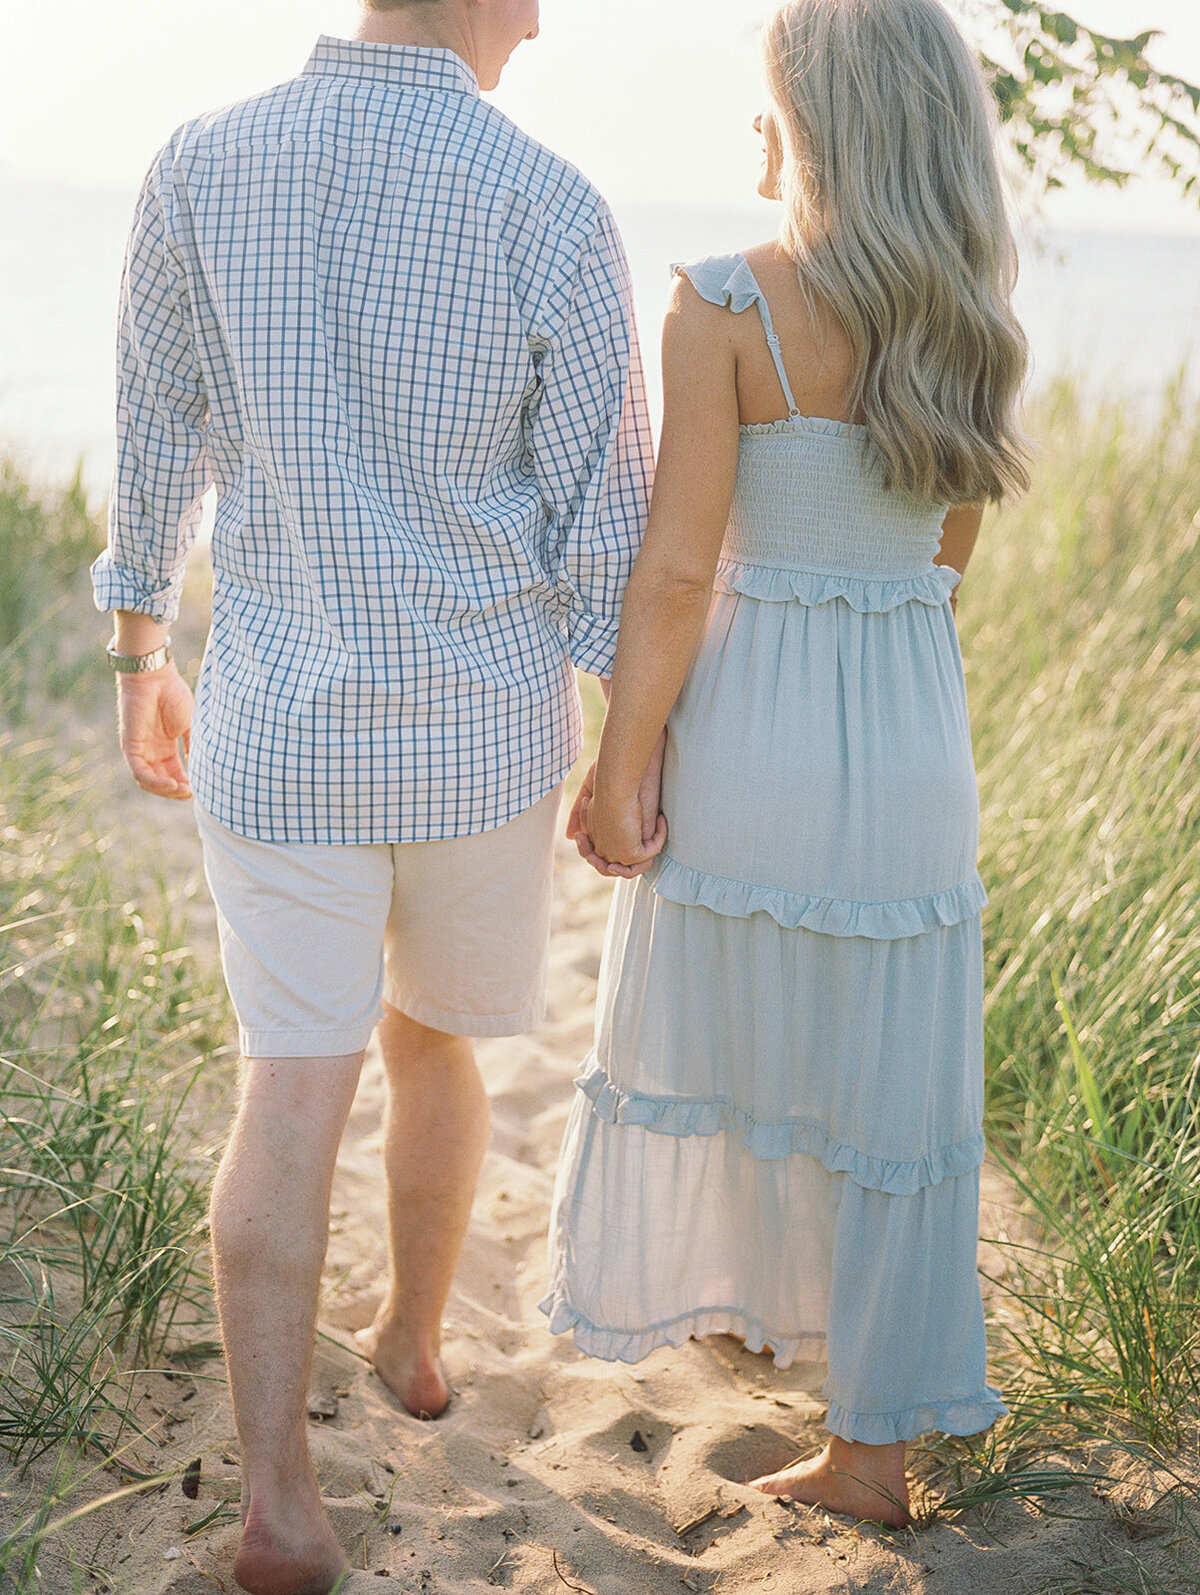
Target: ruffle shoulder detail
865,594
683,1116
832,916
722,280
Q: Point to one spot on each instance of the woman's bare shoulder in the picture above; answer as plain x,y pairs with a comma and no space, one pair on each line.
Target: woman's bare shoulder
687,305
768,261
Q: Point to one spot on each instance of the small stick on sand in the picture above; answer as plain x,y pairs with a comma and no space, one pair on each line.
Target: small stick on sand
705,1517
581,1589
697,1522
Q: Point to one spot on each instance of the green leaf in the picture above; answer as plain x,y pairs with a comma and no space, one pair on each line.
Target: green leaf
1060,26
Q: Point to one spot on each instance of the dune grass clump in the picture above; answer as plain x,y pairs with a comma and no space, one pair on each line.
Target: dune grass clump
106,1027
1081,636
48,536
103,1200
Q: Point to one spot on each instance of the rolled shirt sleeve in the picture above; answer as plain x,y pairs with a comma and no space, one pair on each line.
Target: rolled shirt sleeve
592,448
162,468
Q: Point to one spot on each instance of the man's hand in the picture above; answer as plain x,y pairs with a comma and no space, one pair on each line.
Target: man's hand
576,830
154,714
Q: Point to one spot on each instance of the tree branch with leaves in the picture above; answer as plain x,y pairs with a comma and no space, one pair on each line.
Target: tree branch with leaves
1073,99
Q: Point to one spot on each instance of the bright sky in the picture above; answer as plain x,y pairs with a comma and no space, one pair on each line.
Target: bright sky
651,98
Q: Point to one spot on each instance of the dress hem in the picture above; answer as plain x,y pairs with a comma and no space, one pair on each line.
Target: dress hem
967,1415
622,1345
961,1415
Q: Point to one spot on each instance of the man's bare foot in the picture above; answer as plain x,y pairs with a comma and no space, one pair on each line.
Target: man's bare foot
289,1557
415,1377
859,1481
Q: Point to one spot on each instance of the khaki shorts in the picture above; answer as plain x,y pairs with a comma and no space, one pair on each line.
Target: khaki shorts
315,937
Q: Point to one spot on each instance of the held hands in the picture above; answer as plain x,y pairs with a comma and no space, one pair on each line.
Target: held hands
154,714
620,836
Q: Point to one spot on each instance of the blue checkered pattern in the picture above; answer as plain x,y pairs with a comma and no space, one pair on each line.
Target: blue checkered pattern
397,336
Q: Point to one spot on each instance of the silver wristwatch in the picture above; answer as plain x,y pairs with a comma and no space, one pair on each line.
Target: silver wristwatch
138,664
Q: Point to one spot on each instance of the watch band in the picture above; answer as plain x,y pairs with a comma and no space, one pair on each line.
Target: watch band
138,664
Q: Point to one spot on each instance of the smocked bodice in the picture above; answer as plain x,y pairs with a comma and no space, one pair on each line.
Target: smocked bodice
807,496
812,520
810,516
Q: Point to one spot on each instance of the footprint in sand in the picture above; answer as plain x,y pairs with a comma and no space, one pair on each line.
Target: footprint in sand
738,1452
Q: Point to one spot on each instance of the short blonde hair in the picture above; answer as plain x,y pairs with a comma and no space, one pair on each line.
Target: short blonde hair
895,217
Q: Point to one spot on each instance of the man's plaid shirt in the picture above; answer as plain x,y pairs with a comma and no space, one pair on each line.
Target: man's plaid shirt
396,334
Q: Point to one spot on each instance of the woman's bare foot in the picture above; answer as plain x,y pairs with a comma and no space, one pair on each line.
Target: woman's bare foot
859,1481
296,1554
414,1376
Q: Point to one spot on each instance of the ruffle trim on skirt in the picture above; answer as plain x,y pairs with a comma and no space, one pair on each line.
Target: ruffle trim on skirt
966,1416
832,916
620,1345
681,1116
865,594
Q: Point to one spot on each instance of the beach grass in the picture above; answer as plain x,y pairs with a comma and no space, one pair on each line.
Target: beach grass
48,536
1080,623
106,1026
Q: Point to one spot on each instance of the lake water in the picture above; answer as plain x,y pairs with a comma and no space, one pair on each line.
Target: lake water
1121,311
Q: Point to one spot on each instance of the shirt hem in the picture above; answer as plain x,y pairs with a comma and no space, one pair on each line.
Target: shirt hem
392,835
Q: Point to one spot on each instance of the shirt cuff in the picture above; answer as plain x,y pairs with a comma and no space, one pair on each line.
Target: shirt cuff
593,643
117,587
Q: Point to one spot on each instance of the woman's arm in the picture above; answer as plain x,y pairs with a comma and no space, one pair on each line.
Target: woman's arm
668,594
960,531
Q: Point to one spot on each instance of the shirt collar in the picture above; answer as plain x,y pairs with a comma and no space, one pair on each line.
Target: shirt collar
408,66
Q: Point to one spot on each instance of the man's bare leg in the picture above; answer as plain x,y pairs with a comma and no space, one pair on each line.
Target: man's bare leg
270,1228
435,1135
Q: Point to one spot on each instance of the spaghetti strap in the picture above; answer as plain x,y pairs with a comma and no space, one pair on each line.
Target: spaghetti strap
728,280
773,344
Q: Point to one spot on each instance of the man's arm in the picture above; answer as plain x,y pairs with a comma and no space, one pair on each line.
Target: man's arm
162,468
161,476
592,448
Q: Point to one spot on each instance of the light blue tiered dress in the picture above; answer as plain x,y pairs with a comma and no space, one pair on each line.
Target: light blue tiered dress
778,1131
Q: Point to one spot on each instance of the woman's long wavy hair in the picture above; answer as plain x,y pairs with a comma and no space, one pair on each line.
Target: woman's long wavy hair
895,217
